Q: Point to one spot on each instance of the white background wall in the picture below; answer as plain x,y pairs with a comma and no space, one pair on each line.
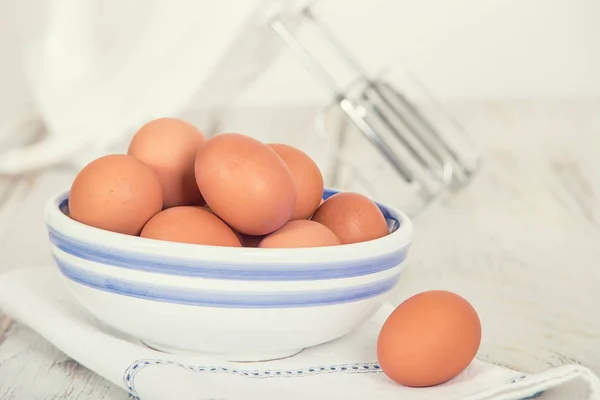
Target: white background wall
463,49
468,49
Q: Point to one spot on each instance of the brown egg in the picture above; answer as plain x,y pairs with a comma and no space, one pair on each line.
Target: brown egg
190,225
300,233
307,178
169,145
241,237
352,217
205,207
117,192
429,339
245,183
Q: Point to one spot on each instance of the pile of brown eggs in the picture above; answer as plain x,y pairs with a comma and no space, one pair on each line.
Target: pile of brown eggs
230,190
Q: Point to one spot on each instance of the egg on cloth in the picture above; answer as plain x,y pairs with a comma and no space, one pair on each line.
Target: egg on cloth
352,217
169,146
429,339
189,224
300,233
307,178
117,192
245,183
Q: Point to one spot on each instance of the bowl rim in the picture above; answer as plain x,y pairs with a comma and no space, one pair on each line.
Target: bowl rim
57,221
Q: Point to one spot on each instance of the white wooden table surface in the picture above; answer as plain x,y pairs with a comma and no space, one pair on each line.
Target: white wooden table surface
522,243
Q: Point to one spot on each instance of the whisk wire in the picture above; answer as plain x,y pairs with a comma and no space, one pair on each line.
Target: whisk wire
414,147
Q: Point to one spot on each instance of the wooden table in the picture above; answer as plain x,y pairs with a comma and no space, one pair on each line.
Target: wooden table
522,243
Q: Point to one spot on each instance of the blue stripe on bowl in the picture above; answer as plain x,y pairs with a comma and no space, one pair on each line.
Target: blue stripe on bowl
212,298
172,265
219,270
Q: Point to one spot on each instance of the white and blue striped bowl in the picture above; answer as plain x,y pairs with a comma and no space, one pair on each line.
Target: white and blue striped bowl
243,304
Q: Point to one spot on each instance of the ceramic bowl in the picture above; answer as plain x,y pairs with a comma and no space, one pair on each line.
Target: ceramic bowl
239,304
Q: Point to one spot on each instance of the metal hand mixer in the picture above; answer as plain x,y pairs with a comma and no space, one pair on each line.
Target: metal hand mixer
429,160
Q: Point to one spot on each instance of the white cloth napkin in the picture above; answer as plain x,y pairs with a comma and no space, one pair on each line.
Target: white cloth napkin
99,71
343,369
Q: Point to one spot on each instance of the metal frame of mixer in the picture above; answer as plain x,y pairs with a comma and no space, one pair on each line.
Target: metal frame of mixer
380,103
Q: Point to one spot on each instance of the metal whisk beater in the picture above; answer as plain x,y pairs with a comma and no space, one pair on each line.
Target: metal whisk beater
418,151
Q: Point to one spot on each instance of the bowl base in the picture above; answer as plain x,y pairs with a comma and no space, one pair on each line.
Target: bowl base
234,357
